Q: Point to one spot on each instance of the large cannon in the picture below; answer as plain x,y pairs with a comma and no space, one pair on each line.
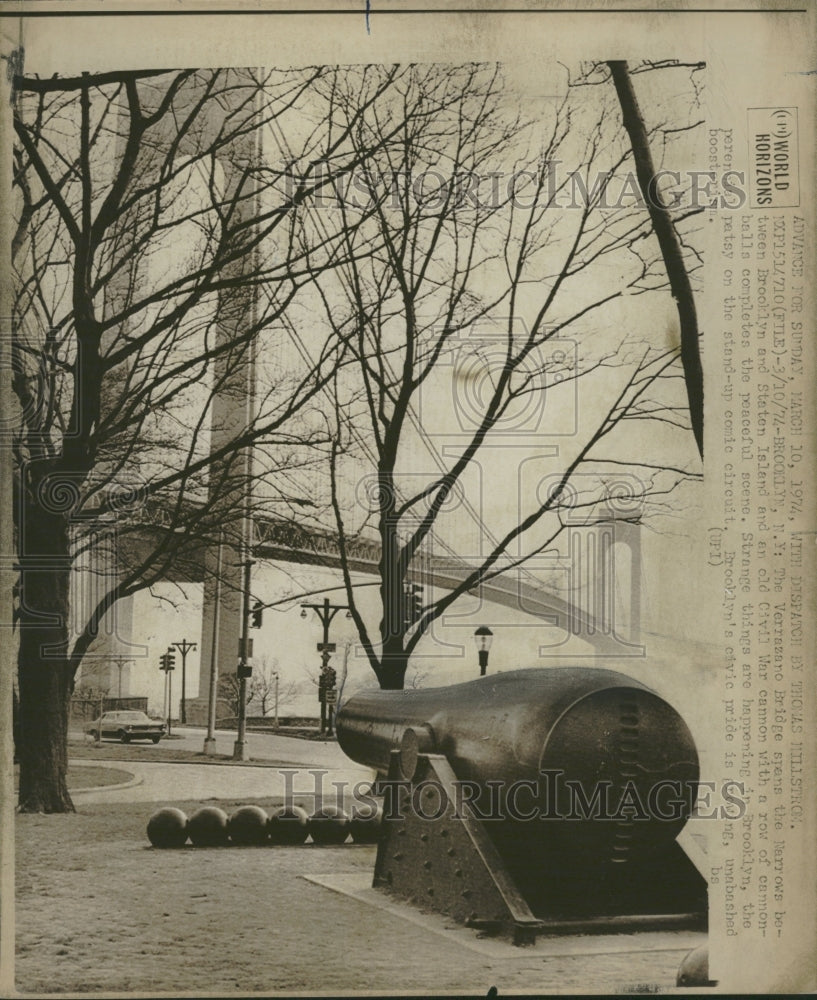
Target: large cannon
531,800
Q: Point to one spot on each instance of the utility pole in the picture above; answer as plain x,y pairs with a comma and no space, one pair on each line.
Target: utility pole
184,647
210,738
327,692
119,662
244,669
244,656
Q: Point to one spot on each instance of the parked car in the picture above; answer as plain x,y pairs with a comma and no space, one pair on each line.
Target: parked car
125,726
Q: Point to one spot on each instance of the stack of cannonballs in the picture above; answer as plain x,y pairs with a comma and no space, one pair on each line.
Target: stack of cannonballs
210,826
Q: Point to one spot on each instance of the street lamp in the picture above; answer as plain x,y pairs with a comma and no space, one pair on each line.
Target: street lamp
120,662
483,637
210,738
327,694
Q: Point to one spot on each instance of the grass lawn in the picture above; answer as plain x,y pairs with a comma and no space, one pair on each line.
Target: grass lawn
87,777
95,777
83,749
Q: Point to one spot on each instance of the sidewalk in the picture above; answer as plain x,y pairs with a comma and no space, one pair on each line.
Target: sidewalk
159,782
280,766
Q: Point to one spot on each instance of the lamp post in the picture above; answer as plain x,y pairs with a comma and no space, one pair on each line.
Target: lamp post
326,685
483,637
119,662
184,647
244,657
244,668
210,738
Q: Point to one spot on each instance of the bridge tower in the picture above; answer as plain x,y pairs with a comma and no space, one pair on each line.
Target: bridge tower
233,413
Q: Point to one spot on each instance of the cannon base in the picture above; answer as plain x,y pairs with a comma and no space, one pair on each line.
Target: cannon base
437,854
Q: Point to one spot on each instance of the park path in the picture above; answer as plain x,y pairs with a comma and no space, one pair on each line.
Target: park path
280,765
156,782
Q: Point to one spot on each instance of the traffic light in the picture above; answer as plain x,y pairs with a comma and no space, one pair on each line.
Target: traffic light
170,660
257,615
163,661
327,678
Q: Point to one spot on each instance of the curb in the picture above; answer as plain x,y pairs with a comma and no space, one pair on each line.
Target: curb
206,762
135,779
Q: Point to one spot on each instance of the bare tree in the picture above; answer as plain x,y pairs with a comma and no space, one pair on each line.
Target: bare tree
88,700
262,688
161,253
230,694
156,246
487,233
267,687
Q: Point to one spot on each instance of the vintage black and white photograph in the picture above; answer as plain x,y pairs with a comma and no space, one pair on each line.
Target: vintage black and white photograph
359,550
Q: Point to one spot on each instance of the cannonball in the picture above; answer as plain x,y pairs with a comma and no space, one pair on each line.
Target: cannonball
288,825
329,825
694,969
208,827
248,825
167,828
366,823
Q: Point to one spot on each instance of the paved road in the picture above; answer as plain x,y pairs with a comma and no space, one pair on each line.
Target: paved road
285,767
263,747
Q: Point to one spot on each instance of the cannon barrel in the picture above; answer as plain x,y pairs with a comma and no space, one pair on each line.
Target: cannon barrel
582,729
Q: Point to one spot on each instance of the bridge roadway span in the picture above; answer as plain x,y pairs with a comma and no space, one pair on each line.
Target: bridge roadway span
282,540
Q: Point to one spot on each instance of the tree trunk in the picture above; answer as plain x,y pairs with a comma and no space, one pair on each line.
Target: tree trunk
393,661
45,677
670,245
393,665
